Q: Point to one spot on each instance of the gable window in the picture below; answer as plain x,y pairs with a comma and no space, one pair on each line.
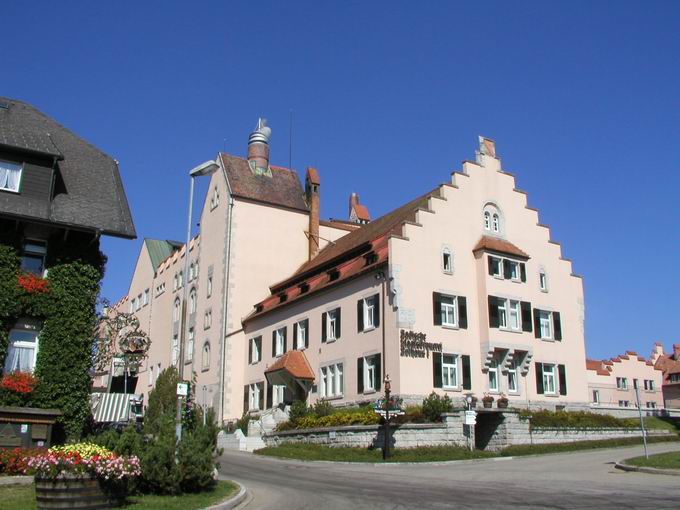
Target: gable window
493,375
543,281
330,325
449,371
548,325
368,315
368,373
331,381
449,311
180,279
255,350
487,220
551,379
138,304
22,350
447,261
215,199
495,223
189,348
279,342
301,334
205,356
192,301
622,383
33,257
191,272
513,387
492,219
175,282
649,384
149,372
596,396
10,176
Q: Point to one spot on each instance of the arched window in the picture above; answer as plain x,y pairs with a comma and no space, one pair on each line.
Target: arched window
176,310
192,301
493,219
205,357
180,280
191,272
495,225
487,220
175,282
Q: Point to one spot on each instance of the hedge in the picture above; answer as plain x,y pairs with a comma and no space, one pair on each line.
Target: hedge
575,419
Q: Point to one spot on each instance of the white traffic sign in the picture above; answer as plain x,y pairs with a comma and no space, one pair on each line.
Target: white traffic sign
182,389
470,417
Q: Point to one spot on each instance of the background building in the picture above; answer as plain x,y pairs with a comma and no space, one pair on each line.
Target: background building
669,364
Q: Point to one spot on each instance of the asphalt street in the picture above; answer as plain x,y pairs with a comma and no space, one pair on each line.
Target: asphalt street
573,480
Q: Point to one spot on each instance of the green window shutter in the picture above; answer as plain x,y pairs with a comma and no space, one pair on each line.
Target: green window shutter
494,320
307,333
360,315
507,272
462,312
360,375
563,379
437,369
324,334
557,322
338,325
245,401
523,271
539,378
437,308
467,376
526,316
273,343
376,312
285,339
489,258
537,323
250,350
270,399
378,372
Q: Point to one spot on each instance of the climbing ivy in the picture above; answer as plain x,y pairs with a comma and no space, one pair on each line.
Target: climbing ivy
67,309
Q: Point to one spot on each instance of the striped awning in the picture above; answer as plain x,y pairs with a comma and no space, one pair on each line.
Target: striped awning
112,407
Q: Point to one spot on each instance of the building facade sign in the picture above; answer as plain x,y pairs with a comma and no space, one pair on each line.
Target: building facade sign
415,345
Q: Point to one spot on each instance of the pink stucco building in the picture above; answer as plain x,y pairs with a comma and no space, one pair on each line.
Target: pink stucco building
612,384
669,365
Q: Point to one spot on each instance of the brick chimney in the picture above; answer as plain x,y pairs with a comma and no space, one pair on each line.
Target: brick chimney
353,200
258,147
676,352
312,183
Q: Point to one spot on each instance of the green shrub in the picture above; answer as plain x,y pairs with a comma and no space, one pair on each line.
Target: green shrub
434,406
130,442
162,402
323,408
196,464
244,421
160,472
108,439
298,410
338,418
575,419
412,414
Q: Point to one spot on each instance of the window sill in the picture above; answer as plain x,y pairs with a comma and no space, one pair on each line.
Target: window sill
16,192
449,326
452,389
551,395
255,362
547,339
545,291
450,273
334,397
370,392
510,330
205,369
369,329
329,341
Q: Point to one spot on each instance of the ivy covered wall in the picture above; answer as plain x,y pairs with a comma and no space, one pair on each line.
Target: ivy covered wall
66,306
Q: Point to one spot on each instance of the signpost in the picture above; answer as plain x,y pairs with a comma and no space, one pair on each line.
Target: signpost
182,389
388,407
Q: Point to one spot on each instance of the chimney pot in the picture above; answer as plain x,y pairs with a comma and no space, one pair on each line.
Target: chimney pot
312,183
258,146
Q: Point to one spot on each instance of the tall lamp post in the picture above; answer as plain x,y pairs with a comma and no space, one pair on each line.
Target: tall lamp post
206,168
388,390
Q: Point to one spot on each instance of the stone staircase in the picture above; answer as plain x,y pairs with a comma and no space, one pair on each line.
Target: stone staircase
267,423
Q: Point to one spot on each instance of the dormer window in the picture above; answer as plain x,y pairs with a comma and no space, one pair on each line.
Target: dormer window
304,287
10,176
371,258
333,275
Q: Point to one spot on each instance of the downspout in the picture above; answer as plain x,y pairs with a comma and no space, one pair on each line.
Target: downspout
225,301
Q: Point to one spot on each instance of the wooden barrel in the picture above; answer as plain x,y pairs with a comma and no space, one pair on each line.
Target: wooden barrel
70,492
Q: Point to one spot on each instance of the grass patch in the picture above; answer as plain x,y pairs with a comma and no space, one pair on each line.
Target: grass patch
22,497
347,454
670,460
537,449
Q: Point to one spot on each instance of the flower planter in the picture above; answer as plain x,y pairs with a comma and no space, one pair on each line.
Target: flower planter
487,403
71,491
502,404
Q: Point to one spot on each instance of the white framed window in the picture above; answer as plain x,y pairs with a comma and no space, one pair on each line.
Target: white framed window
301,334
138,304
149,372
192,301
191,272
447,261
278,394
22,350
254,397
513,385
180,279
189,348
450,371
215,199
514,272
596,396
369,313
331,381
332,325
496,265
624,403
255,349
549,386
10,176
622,383
279,341
449,311
503,313
495,223
33,257
487,220
515,314
209,286
176,310
493,375
651,405
370,373
207,319
175,350
545,324
205,356
543,281
175,282
145,298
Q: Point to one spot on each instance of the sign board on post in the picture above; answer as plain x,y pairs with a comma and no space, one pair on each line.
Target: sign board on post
470,417
182,389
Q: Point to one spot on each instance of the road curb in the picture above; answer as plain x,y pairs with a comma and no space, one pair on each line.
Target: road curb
16,480
650,471
233,501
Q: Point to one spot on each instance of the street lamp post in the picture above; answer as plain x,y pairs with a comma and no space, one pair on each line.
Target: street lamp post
388,388
206,168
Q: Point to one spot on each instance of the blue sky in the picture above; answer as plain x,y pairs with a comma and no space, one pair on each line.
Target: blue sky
388,98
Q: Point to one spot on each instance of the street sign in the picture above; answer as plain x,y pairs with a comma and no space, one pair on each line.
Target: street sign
470,417
182,389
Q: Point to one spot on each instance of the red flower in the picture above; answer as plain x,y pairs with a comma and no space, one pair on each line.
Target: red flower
19,382
33,284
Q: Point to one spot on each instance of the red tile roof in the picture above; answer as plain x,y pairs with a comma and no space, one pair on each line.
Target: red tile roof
313,175
362,212
282,188
490,243
596,366
295,363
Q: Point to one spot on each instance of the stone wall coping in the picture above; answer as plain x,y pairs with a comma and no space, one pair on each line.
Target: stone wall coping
599,429
359,428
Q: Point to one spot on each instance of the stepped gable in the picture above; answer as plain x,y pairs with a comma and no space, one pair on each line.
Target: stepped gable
597,366
280,187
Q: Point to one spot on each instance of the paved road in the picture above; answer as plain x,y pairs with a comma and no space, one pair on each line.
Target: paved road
574,480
